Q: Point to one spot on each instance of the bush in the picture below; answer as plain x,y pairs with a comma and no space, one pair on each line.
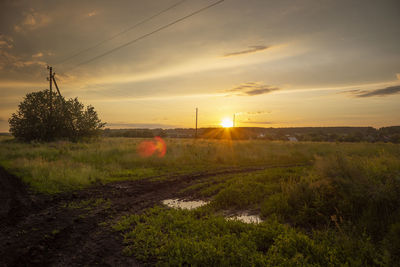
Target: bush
37,119
359,193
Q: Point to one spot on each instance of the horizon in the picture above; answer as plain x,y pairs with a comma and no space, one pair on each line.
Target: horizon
241,127
272,64
221,127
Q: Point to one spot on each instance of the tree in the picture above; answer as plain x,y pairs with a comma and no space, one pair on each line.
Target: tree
37,119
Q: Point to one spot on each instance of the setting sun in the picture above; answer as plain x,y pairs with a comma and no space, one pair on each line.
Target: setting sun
227,123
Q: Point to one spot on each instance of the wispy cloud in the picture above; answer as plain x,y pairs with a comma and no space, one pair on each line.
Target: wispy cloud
92,13
9,60
32,20
251,49
391,90
252,89
37,55
6,41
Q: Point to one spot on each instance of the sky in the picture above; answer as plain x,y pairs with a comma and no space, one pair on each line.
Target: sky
271,63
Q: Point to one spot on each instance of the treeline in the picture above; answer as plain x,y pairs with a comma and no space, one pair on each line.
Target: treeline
316,134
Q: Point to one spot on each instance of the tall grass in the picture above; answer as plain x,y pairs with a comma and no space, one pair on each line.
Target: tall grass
354,195
340,209
59,166
198,238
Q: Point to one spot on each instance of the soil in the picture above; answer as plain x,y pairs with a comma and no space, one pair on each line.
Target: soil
47,230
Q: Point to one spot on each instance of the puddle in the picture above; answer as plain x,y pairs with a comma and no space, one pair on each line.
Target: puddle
187,205
246,218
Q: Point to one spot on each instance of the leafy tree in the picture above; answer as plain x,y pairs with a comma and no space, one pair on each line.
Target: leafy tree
36,119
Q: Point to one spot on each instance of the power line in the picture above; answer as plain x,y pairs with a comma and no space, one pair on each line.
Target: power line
146,35
120,33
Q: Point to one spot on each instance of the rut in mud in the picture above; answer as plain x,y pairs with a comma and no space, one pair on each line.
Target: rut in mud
51,231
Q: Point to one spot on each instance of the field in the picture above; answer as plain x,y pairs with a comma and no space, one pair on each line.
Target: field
100,202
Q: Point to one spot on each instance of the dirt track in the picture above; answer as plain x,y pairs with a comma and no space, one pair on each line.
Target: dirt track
38,230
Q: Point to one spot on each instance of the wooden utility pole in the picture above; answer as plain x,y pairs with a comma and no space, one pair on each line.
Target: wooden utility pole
51,87
195,134
55,83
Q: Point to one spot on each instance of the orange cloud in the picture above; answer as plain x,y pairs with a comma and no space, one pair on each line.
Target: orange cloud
37,55
9,60
93,13
31,21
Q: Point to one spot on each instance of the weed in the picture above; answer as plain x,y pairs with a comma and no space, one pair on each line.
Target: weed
198,238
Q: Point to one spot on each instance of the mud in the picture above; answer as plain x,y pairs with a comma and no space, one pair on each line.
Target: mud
61,230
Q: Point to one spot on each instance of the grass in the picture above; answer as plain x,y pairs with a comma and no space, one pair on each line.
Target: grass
64,166
353,195
340,208
167,237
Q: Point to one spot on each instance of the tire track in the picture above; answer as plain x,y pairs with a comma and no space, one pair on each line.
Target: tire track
46,232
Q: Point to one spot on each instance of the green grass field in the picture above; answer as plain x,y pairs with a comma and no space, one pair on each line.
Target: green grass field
339,206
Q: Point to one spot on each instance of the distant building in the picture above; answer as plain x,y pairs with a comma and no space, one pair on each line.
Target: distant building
292,139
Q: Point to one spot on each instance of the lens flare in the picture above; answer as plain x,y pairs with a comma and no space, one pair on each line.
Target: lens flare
153,147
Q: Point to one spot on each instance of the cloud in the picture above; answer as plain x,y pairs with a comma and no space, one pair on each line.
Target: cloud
252,49
398,76
260,91
139,125
93,13
6,41
9,60
27,63
391,90
32,20
39,54
252,89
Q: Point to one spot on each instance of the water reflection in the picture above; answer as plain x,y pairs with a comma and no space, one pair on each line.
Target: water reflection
193,204
182,204
244,217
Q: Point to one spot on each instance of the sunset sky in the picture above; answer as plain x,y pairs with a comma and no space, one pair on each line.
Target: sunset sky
272,63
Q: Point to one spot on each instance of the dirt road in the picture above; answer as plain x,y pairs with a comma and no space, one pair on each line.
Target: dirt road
73,229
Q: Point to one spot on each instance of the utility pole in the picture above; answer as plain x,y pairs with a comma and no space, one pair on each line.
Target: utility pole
55,83
195,134
59,94
233,122
51,87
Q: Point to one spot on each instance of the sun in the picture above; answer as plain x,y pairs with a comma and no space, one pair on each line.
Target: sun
227,123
